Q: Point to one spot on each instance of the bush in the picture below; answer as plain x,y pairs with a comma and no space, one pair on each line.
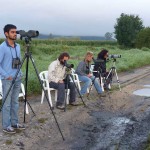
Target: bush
143,38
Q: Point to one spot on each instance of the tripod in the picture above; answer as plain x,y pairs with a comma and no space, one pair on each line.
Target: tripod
113,71
99,73
68,77
27,56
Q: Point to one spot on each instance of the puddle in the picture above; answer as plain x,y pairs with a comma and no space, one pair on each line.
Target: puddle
115,130
142,92
147,85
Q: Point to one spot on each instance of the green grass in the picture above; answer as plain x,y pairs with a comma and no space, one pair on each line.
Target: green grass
44,54
46,51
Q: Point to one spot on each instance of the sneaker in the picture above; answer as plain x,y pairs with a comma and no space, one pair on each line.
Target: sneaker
9,130
18,126
102,94
62,107
73,103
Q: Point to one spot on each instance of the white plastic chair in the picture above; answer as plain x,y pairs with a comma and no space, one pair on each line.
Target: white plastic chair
21,94
76,79
44,78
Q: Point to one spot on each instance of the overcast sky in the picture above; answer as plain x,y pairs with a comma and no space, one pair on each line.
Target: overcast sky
70,17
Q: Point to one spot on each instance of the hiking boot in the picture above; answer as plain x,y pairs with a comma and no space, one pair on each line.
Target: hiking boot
62,107
9,130
18,126
73,103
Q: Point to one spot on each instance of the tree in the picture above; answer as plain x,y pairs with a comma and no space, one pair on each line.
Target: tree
143,38
126,29
108,36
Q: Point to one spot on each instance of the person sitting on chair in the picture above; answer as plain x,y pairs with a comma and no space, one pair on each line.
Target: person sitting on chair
85,75
101,67
56,76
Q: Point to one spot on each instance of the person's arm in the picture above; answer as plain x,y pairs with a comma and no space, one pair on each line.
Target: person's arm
3,73
51,73
81,69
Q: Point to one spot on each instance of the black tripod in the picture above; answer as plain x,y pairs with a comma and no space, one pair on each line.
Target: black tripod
113,72
68,77
99,74
27,56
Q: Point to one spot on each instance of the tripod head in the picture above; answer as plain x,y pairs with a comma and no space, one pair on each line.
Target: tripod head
68,71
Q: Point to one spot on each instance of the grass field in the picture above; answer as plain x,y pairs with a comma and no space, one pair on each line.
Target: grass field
46,51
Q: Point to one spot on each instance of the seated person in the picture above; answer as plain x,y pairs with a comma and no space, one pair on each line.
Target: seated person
85,76
56,77
101,67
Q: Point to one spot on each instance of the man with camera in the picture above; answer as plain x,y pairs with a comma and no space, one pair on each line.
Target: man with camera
57,72
9,64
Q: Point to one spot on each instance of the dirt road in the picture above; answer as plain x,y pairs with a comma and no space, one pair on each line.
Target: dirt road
119,121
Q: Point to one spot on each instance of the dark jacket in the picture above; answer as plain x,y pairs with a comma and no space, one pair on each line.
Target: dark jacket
100,66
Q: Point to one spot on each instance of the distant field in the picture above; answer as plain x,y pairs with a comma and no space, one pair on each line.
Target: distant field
45,51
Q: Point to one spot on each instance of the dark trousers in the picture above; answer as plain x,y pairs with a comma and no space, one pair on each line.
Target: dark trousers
61,91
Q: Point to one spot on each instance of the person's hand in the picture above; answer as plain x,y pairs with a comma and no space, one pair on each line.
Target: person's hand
9,78
89,75
60,81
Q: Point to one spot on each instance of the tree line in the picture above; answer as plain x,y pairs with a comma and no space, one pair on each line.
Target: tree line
130,32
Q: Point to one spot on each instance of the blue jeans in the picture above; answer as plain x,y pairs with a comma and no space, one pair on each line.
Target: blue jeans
11,105
87,82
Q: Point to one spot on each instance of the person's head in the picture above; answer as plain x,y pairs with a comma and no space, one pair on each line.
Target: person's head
88,56
63,56
10,31
103,54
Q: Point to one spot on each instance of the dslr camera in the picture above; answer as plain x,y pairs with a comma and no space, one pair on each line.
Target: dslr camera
114,56
68,65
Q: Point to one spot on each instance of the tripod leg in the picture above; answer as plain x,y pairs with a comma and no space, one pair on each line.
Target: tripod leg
77,90
46,96
117,79
26,85
66,91
90,89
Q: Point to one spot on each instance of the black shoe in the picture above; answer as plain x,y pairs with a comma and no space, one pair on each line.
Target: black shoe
9,130
73,103
18,126
62,107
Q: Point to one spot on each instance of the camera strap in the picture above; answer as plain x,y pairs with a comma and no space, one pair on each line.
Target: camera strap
15,51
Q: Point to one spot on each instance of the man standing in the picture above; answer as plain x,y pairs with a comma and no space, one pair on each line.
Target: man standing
56,77
9,65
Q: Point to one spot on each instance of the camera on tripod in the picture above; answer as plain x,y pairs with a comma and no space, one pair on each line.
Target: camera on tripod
29,34
69,66
114,56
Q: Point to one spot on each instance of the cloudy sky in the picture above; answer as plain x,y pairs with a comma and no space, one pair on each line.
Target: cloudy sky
70,17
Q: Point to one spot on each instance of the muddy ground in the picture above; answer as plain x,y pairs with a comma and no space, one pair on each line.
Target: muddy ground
119,121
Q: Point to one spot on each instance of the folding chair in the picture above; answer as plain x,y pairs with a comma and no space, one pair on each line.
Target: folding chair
21,94
76,79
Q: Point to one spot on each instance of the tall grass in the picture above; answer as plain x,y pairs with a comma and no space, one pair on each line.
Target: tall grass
44,52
